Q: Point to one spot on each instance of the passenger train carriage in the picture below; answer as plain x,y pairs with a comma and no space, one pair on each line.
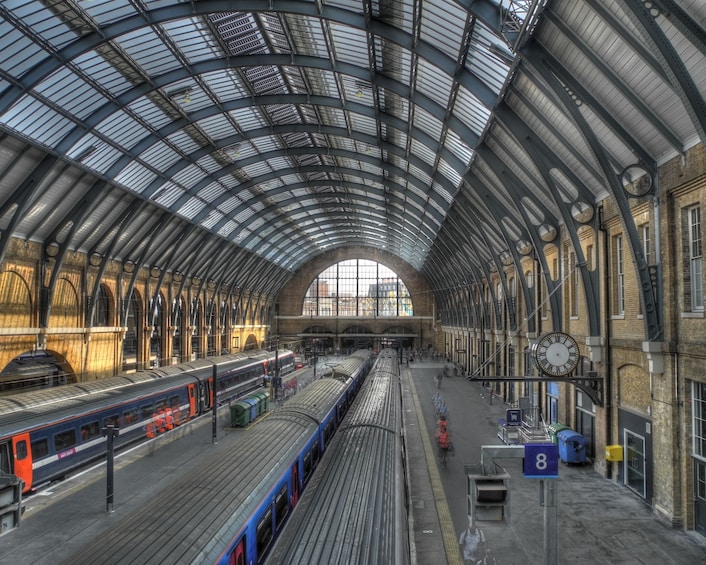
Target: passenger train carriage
231,509
356,508
48,433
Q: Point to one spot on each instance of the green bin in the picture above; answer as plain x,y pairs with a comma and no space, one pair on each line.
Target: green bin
554,430
263,401
240,414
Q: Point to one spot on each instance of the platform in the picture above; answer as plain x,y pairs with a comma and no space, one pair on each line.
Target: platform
599,521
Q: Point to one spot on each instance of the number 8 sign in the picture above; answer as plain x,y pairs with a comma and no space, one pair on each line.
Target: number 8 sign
541,461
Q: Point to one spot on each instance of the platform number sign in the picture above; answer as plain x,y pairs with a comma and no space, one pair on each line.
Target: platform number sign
541,461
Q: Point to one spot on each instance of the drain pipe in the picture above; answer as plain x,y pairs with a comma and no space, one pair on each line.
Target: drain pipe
608,396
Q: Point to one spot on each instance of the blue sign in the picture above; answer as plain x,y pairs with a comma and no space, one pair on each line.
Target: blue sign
541,461
513,417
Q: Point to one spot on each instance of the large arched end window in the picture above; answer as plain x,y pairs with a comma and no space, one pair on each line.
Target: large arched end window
357,287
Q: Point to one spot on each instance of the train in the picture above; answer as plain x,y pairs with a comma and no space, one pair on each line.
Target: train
357,508
48,433
231,509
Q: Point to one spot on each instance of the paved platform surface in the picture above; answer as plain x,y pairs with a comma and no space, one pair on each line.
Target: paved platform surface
598,521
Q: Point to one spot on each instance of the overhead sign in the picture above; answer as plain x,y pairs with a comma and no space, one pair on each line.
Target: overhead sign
541,461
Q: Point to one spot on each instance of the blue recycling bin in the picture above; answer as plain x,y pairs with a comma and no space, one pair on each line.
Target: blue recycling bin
572,446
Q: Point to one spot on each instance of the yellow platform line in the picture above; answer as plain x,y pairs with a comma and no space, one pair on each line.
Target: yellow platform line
448,534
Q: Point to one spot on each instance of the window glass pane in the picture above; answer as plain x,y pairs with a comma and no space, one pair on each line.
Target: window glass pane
357,288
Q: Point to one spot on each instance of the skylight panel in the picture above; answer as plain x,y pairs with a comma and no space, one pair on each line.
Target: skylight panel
160,156
122,129
135,176
443,26
350,44
148,50
193,40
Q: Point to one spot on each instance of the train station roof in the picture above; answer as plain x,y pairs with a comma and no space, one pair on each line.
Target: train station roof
235,141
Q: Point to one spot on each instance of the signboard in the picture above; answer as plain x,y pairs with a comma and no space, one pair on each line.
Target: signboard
541,461
513,417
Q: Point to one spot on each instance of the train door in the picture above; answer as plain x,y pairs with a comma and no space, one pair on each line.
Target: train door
21,456
295,484
193,410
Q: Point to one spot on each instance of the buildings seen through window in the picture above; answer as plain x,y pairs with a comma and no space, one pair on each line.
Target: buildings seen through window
357,287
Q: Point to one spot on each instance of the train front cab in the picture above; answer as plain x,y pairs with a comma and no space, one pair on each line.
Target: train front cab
15,458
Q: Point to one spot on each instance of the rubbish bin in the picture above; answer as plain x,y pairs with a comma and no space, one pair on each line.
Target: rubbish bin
240,414
572,447
554,429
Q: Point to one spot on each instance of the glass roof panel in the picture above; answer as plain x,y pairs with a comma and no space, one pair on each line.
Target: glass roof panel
148,50
471,111
443,25
349,44
135,176
122,129
160,156
193,39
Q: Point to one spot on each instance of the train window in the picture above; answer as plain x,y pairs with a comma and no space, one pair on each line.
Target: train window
5,458
89,431
40,448
113,420
146,411
175,401
64,440
281,506
264,533
315,453
21,450
160,405
307,465
130,416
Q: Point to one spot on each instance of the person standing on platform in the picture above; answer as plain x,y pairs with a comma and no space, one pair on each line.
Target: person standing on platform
472,542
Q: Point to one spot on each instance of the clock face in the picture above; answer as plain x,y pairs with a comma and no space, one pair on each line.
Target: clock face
556,354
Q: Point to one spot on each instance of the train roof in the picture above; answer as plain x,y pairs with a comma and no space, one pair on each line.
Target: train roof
212,502
349,514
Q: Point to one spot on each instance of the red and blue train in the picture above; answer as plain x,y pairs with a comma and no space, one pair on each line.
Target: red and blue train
45,435
231,509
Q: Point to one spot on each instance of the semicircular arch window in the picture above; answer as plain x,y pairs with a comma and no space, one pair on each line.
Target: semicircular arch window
358,288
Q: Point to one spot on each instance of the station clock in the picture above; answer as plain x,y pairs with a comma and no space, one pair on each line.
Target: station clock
556,354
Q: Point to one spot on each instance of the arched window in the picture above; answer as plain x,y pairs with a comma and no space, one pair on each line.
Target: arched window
357,287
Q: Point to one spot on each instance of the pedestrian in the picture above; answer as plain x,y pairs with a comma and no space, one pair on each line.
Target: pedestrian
472,541
443,440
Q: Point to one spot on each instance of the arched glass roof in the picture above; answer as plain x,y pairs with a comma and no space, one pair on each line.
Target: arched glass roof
216,142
